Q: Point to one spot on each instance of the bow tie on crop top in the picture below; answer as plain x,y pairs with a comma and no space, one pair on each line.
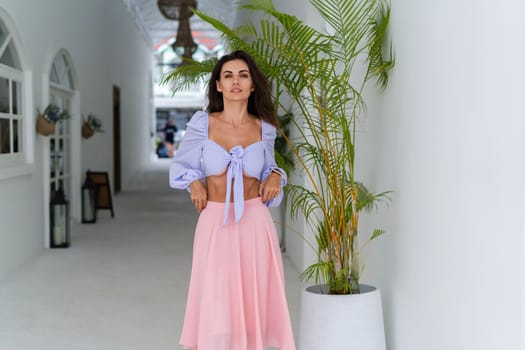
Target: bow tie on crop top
237,162
198,157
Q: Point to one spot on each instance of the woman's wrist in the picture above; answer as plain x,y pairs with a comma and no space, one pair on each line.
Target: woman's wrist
275,171
195,183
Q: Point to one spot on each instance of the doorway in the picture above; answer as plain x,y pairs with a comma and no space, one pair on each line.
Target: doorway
61,156
117,174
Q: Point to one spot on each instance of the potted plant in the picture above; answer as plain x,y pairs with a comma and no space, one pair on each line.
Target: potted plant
323,74
45,123
91,125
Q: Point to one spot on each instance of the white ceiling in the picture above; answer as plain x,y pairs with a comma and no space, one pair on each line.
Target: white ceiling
158,29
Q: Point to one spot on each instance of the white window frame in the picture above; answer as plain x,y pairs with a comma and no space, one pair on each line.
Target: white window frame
21,163
14,76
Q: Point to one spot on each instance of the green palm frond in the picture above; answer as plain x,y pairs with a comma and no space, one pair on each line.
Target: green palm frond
377,232
189,74
233,38
380,65
302,35
349,22
368,200
302,200
319,271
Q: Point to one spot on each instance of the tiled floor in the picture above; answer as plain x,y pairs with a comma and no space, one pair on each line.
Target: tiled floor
121,285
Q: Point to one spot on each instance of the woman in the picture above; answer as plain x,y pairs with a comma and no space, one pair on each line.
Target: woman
236,298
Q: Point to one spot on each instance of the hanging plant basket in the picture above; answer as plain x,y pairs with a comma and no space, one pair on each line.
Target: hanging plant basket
91,125
87,132
44,127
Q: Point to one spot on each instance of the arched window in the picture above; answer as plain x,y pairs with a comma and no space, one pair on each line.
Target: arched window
61,75
11,111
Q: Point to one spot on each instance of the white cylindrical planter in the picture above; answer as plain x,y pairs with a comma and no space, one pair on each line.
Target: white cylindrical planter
341,322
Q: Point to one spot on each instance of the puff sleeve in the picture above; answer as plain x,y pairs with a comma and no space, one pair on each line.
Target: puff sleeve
186,165
268,136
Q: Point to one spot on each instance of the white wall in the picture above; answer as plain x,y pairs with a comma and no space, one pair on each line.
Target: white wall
19,197
447,138
106,49
130,69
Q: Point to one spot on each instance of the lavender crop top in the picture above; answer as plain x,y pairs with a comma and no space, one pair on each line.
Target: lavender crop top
198,157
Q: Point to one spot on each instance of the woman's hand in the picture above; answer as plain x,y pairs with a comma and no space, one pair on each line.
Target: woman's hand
199,195
270,187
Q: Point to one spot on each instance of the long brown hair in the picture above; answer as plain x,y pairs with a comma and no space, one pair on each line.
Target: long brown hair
260,101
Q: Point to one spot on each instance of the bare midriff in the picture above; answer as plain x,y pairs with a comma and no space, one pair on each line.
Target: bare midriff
216,186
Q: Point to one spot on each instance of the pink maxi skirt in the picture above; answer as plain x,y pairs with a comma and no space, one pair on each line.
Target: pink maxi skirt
236,298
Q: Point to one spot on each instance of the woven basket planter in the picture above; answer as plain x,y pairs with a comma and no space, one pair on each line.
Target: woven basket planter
87,132
43,126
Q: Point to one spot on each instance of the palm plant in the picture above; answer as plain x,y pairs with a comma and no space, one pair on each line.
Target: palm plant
53,114
93,122
323,74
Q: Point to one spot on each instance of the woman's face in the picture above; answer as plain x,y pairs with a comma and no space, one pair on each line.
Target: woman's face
235,81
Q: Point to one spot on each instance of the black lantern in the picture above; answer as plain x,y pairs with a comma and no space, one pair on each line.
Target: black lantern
176,9
59,211
89,213
180,10
184,46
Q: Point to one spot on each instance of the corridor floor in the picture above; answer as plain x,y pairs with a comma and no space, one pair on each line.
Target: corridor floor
121,285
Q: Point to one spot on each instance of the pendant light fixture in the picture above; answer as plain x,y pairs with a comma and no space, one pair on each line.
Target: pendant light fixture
180,10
